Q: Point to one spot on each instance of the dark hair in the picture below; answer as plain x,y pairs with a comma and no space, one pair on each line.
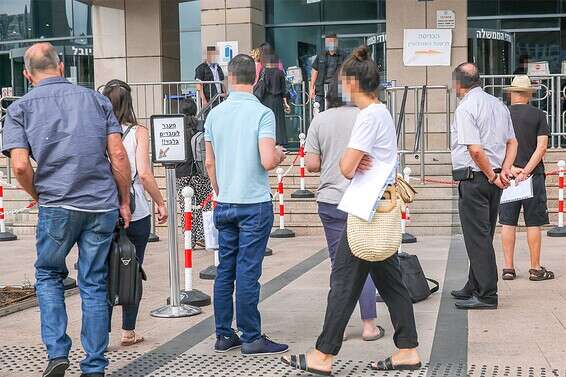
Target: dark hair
188,107
242,67
364,70
333,97
120,95
331,35
210,48
467,74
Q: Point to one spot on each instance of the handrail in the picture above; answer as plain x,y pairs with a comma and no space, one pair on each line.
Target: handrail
402,111
175,82
420,121
208,105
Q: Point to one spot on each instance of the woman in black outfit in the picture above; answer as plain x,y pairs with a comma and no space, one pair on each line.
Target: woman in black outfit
271,90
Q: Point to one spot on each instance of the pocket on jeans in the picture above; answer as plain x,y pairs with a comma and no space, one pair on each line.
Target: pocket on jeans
105,224
56,223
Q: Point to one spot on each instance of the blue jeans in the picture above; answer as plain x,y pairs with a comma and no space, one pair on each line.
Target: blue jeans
58,230
243,232
334,223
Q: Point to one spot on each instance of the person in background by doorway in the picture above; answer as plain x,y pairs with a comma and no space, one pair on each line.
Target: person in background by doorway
523,67
210,70
325,69
531,129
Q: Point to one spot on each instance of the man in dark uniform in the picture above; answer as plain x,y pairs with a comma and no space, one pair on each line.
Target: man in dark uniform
210,70
325,69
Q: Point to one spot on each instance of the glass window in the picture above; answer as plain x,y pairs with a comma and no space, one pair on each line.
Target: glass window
290,11
190,38
15,20
510,7
336,10
81,19
51,18
286,11
539,46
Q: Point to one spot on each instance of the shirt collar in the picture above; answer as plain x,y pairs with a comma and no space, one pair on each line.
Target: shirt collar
53,80
242,96
473,91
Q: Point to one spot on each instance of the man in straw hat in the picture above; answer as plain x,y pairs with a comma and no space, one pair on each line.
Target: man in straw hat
531,129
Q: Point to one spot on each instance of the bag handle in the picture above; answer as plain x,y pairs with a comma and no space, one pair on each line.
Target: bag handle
435,285
386,208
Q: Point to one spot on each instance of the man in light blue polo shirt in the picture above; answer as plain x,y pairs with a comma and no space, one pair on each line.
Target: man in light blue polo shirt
240,150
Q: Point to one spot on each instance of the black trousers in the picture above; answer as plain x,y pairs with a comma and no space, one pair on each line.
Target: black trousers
346,282
478,206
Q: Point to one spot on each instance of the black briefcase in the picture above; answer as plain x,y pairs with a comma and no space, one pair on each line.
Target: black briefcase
125,273
415,279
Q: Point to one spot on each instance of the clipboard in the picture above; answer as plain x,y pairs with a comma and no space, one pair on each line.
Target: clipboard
516,192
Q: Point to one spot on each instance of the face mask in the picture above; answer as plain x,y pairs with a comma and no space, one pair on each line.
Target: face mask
346,97
330,46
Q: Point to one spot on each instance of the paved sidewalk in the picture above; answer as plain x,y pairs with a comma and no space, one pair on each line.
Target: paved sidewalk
528,331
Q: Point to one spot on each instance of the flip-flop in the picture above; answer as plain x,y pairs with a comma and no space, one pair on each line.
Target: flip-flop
131,341
387,364
302,365
380,335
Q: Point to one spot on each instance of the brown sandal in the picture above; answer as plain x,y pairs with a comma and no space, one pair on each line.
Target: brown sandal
540,275
130,341
508,274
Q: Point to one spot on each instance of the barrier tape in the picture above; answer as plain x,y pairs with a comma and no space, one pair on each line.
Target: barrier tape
30,205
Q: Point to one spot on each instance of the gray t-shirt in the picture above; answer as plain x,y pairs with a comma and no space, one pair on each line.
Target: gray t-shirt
484,120
65,128
328,136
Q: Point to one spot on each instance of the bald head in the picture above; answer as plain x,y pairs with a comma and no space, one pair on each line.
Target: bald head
467,75
41,57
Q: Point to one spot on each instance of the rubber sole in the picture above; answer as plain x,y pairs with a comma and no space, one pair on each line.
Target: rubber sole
227,350
57,371
265,353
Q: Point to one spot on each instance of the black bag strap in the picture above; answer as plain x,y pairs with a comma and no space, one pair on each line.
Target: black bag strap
435,285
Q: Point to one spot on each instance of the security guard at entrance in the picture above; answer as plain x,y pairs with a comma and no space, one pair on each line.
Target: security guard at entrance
483,151
325,69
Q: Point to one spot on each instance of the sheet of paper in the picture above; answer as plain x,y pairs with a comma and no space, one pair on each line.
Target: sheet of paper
520,191
365,190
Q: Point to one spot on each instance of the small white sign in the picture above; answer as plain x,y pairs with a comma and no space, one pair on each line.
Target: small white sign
427,47
7,92
445,19
538,69
226,51
168,143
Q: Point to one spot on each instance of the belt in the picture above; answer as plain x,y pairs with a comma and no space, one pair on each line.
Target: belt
496,171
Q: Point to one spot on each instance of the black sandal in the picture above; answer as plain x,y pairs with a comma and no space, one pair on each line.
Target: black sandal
302,365
540,275
387,364
508,274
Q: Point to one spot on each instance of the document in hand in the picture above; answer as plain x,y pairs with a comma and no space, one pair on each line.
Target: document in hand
519,191
365,191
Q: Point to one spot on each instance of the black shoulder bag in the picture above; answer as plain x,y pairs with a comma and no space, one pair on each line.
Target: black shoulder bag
260,88
415,279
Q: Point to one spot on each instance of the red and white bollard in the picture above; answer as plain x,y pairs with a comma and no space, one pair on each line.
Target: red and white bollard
281,232
407,237
4,234
302,192
189,295
560,230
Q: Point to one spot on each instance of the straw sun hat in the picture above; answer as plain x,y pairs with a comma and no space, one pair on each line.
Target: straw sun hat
521,83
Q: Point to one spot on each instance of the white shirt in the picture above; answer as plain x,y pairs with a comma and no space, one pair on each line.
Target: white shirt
374,134
214,68
484,120
130,144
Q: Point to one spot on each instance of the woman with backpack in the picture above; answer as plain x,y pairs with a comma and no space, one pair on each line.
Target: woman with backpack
135,138
372,145
188,175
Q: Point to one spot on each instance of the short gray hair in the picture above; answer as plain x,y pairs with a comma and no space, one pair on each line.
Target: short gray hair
41,59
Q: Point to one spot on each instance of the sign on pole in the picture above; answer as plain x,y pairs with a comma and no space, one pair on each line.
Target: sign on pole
168,143
427,47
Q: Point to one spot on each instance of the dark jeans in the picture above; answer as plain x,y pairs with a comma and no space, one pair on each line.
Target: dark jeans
243,232
138,233
334,223
478,205
346,282
58,230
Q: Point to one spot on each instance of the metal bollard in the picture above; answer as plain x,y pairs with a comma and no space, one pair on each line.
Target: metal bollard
560,230
176,309
4,234
407,237
302,192
190,296
281,232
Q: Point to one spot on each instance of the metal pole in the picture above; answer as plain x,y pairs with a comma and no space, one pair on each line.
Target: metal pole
175,309
304,103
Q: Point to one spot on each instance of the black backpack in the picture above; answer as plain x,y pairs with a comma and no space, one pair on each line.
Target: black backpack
415,279
125,273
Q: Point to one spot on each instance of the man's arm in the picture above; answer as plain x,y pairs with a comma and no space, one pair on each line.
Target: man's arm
121,171
23,171
210,164
271,155
314,76
510,155
312,161
536,158
480,158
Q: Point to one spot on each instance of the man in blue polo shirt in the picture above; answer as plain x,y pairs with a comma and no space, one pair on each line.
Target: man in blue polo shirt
70,132
240,150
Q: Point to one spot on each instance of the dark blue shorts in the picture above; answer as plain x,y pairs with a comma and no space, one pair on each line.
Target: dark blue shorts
535,211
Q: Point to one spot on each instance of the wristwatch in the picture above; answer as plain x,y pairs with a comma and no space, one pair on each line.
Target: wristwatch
494,178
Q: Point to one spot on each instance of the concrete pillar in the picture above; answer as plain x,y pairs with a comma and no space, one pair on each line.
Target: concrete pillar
414,14
136,40
228,20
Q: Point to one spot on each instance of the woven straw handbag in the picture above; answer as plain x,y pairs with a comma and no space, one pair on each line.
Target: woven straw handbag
405,191
381,238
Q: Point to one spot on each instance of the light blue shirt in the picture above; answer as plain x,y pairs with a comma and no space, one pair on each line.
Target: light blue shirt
234,128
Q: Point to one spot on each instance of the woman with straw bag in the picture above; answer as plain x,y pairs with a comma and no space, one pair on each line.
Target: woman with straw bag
366,248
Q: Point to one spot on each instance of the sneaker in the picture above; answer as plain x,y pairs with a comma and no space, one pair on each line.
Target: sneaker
227,343
56,367
263,346
92,375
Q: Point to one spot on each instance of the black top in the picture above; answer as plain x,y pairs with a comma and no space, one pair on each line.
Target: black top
186,169
275,82
204,73
327,66
528,123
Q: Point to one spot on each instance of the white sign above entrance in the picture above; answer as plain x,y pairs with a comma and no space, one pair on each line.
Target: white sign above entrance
445,19
427,47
